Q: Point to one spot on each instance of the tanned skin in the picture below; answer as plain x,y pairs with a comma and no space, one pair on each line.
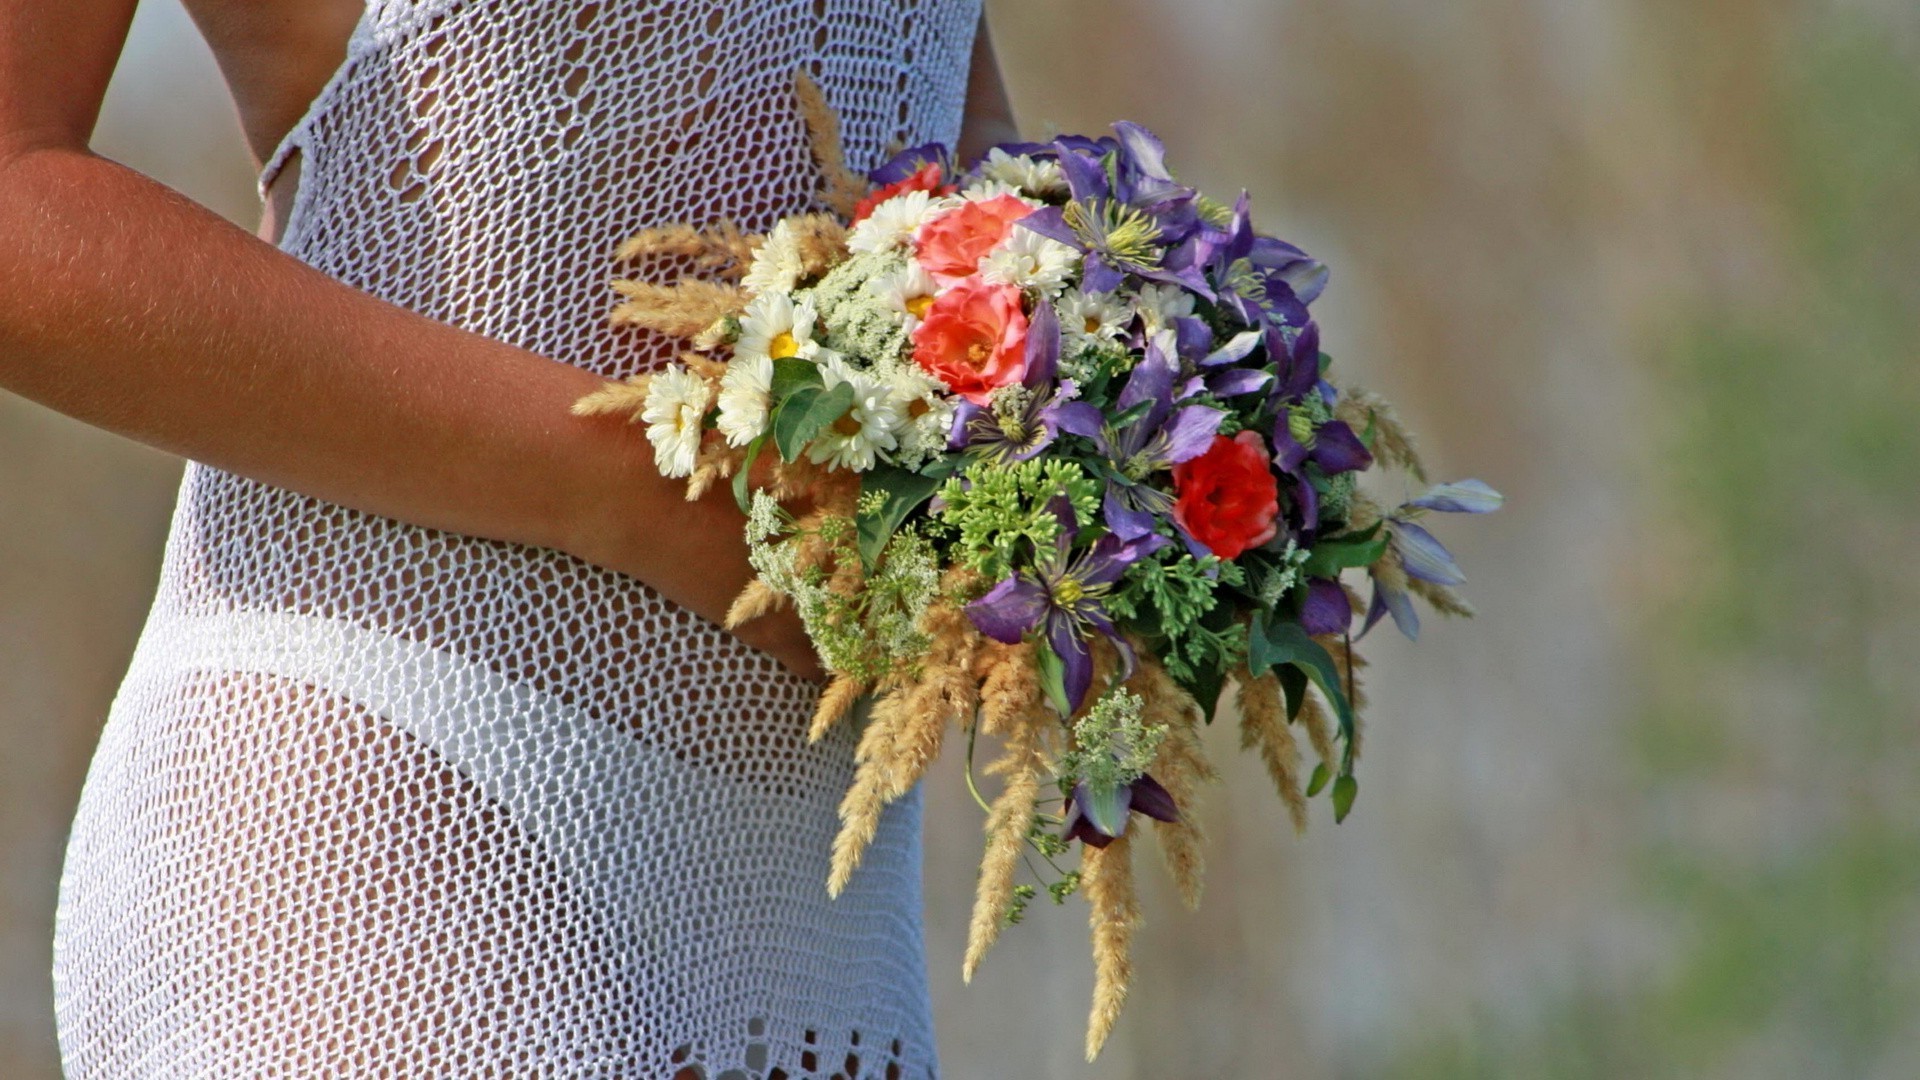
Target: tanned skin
127,306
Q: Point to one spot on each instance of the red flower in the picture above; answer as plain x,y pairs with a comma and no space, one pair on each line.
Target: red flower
1227,498
926,178
950,246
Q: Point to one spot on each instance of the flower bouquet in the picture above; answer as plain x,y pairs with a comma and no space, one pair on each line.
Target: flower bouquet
1049,452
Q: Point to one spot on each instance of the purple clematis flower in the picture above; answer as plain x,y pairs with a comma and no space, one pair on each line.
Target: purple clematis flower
1061,597
1421,554
1326,609
1127,214
1159,438
1098,818
1329,448
1264,280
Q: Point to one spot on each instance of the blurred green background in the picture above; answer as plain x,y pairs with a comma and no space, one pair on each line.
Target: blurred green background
1651,267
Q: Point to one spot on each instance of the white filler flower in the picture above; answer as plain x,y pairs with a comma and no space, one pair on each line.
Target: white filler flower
677,401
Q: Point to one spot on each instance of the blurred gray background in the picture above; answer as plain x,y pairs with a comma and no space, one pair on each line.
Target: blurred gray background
1651,267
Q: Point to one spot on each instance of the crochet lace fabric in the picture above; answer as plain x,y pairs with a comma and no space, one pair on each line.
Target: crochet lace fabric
380,801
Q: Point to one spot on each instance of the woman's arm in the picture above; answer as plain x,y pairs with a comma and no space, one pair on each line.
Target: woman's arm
988,119
127,306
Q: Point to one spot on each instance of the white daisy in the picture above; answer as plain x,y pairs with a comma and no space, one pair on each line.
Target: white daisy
873,423
1089,318
677,401
745,395
906,293
1031,261
1039,177
1160,304
892,223
775,327
982,188
776,262
926,413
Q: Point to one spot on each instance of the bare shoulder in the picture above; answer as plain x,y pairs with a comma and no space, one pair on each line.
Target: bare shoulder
276,56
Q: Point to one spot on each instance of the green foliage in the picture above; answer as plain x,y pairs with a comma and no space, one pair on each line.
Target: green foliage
1173,601
998,511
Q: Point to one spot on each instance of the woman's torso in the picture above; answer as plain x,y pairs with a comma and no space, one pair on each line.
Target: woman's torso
594,815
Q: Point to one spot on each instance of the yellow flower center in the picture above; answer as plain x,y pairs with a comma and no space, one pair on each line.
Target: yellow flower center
1067,592
847,425
917,306
1093,324
918,408
783,346
978,354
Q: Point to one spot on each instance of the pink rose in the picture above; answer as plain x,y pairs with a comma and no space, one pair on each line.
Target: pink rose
950,245
974,339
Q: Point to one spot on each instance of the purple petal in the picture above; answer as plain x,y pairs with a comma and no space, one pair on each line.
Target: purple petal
1124,520
1423,555
1081,418
1081,829
1043,346
1189,433
1461,497
1237,348
1154,800
1327,609
907,162
1236,381
1289,453
1307,278
1076,660
1086,177
1105,808
1112,554
960,436
1143,149
1151,381
1336,449
1009,610
1096,275
1193,338
1399,604
1307,498
1049,222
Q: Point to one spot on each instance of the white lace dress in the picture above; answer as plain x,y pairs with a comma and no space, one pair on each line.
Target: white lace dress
380,801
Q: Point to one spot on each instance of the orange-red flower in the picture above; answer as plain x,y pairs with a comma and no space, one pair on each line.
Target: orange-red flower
927,177
1227,498
974,339
950,245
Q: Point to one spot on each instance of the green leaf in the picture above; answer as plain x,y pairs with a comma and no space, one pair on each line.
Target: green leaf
1271,644
791,374
1344,791
804,414
1318,781
1293,684
1205,686
1329,557
746,465
905,492
1053,678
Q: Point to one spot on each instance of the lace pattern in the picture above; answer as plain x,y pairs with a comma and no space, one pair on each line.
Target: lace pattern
376,800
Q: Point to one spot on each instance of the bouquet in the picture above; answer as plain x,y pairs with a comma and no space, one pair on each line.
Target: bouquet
1047,450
